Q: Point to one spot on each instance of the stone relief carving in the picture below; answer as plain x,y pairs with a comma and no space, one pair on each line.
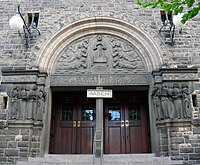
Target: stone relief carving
100,54
172,101
75,57
124,56
99,51
27,103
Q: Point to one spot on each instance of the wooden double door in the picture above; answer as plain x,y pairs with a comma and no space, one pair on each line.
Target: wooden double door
126,128
72,126
74,120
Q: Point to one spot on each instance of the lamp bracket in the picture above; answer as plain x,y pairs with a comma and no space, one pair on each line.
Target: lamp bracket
27,29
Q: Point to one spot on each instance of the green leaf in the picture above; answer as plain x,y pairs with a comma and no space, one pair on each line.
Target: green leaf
154,5
145,4
166,7
138,2
174,5
181,9
189,3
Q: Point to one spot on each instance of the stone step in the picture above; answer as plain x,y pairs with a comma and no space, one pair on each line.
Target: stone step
115,159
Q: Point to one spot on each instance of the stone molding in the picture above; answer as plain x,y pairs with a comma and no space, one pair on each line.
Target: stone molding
11,75
175,74
149,51
173,123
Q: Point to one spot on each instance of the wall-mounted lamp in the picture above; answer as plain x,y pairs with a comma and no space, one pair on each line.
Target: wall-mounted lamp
17,22
177,21
170,22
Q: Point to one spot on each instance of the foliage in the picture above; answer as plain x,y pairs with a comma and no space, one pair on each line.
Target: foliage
190,7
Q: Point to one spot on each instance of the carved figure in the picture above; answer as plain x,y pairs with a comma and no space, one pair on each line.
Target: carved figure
123,56
33,96
22,103
177,100
157,104
187,109
99,48
172,109
14,111
41,105
165,103
76,57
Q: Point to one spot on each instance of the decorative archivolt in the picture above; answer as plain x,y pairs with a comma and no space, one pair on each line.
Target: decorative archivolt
147,49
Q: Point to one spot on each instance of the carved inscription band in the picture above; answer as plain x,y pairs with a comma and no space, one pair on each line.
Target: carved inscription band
99,80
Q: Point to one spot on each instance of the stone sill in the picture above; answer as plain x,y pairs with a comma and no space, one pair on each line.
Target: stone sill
25,124
174,123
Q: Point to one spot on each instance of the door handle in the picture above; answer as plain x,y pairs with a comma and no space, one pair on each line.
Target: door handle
122,123
78,123
74,123
127,123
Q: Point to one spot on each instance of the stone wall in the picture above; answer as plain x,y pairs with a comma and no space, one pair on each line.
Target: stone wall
54,15
179,136
20,126
179,139
19,143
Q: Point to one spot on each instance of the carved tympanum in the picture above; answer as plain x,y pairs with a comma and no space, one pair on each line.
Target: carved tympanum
100,54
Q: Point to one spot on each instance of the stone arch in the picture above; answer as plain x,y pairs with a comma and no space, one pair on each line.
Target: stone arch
147,47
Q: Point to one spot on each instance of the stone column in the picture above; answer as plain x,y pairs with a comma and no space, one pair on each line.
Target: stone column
98,140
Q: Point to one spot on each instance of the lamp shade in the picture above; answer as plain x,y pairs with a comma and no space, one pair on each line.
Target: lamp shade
177,20
16,22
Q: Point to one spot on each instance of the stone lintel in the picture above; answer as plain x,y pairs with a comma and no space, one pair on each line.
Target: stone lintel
99,80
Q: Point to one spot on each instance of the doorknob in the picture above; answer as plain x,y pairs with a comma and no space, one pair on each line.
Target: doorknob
78,123
74,123
127,123
122,123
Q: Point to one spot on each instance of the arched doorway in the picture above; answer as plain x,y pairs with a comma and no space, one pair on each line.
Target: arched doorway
101,52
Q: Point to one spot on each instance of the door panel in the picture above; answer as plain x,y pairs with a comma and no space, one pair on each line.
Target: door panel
65,133
114,138
86,136
74,126
134,140
114,132
85,133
